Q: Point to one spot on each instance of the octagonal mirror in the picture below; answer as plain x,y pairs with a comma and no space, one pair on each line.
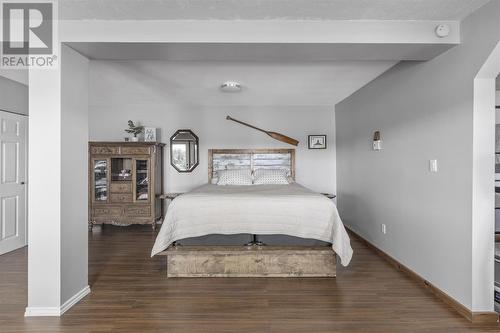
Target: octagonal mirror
184,150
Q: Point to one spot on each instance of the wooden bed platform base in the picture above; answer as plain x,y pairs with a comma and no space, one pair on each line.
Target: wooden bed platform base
253,261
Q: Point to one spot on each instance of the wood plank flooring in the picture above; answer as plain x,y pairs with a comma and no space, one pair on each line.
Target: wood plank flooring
130,293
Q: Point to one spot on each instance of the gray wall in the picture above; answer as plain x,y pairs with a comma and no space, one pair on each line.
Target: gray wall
74,166
13,96
424,111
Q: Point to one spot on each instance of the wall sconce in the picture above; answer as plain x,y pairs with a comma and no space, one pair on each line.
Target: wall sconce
377,142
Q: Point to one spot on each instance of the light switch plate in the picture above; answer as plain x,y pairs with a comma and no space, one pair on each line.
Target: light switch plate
433,165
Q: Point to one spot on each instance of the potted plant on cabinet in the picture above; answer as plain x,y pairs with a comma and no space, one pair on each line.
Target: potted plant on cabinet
135,130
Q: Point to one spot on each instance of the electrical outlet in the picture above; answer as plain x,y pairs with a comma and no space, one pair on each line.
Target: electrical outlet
384,229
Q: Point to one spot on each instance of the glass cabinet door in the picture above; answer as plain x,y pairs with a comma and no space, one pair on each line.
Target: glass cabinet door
142,180
121,169
101,180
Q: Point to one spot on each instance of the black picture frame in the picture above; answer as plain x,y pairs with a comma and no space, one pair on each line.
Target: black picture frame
318,145
197,148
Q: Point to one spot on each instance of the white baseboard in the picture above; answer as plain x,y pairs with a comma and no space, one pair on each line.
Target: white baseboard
57,311
75,299
42,312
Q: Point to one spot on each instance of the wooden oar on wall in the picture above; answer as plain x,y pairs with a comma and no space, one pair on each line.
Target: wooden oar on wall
274,135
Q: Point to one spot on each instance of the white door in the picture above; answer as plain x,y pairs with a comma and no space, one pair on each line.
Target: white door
13,152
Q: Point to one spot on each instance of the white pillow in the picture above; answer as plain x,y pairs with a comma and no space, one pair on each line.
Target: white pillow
234,177
270,177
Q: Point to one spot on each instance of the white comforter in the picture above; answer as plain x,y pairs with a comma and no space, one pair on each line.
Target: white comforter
256,209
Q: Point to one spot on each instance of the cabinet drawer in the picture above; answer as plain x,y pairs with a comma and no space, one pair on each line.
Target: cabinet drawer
107,211
103,150
121,187
121,197
135,150
138,211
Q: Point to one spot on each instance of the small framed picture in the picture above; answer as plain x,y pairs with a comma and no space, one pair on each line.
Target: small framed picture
317,142
150,134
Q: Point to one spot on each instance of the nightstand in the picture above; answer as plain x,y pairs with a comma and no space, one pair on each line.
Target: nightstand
170,196
329,195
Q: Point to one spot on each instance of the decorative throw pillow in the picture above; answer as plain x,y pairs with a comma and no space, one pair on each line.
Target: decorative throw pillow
271,177
234,177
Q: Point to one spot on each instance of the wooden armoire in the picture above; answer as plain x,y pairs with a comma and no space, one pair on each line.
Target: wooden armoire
125,182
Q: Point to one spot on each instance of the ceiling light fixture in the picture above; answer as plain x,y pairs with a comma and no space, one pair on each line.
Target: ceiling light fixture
230,86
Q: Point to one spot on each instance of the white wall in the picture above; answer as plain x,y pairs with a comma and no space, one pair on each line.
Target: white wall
13,96
424,111
108,116
74,168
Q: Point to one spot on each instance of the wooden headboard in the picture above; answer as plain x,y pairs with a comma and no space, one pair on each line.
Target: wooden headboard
221,159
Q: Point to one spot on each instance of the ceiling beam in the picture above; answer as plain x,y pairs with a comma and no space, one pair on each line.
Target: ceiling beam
268,31
258,52
352,40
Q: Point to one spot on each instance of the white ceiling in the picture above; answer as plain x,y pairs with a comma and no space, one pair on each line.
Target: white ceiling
268,9
272,74
197,83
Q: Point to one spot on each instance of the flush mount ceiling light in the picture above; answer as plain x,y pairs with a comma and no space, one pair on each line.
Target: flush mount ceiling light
230,86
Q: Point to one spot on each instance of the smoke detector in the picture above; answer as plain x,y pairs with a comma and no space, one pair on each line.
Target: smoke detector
442,30
230,86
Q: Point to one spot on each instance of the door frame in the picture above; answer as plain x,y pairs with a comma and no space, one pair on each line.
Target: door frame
483,178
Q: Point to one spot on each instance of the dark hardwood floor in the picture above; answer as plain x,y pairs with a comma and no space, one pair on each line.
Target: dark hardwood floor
130,293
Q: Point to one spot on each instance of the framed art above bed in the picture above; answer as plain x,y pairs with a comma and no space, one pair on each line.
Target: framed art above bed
253,159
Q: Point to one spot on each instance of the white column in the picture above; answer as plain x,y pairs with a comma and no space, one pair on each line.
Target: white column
483,195
58,132
483,178
74,175
44,193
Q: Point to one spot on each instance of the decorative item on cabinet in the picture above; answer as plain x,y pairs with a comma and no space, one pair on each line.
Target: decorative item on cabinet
151,134
125,181
135,130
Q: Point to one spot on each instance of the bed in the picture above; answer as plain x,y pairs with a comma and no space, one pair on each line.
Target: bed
213,217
